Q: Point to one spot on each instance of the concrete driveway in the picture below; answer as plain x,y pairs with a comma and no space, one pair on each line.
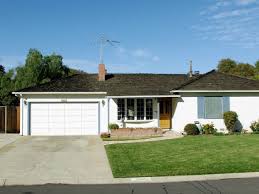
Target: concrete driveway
39,160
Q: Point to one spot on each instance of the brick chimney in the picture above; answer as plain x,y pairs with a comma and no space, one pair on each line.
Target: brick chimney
101,72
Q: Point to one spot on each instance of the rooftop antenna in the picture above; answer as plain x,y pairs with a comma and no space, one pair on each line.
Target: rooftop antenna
190,72
104,41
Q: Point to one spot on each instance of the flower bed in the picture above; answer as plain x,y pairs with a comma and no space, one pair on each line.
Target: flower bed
136,132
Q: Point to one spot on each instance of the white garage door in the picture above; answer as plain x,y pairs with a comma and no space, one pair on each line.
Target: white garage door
64,119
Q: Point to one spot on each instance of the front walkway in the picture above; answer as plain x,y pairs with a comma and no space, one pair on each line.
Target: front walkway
40,160
166,136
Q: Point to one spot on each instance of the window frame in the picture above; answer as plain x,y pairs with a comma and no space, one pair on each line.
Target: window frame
140,109
134,109
221,106
135,100
203,103
151,111
121,109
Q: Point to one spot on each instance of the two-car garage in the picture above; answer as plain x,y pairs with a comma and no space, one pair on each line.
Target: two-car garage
62,118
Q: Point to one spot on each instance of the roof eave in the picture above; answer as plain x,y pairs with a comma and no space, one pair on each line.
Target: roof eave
73,93
214,91
146,96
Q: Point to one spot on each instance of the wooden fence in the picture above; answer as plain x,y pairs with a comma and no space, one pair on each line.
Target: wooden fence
10,119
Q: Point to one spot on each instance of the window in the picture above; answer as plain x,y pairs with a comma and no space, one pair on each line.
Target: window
149,109
212,107
140,109
130,109
121,109
135,109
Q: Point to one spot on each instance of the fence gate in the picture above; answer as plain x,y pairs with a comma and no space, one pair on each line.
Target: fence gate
9,119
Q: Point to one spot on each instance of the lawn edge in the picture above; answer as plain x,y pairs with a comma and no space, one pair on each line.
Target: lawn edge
187,178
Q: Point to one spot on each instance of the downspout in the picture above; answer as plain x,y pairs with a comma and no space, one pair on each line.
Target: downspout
158,112
28,118
108,114
21,125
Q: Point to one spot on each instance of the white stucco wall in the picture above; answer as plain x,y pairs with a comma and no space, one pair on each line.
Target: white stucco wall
247,109
244,104
24,112
113,115
184,110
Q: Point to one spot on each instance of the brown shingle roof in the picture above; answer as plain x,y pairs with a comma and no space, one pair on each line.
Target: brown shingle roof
145,84
115,84
214,80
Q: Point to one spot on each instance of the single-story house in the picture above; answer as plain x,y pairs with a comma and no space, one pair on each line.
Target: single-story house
84,104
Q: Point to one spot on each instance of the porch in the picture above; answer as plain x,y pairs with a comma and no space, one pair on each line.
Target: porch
142,112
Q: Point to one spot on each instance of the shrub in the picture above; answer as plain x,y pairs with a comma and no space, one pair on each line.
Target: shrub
219,134
255,126
230,119
105,135
191,129
209,129
113,126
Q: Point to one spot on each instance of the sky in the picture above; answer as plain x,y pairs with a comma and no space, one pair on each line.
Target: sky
156,36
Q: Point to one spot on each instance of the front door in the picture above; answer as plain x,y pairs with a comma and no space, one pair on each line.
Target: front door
165,113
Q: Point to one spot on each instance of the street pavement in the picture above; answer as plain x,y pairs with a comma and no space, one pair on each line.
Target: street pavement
227,186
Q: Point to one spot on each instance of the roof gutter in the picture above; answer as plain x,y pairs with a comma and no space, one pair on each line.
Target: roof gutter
46,93
146,96
213,91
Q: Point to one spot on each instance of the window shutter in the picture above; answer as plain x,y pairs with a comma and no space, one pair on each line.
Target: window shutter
201,107
226,104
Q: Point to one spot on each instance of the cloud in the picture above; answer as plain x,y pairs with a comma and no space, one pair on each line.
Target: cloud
121,49
138,55
245,2
155,58
232,22
141,53
145,54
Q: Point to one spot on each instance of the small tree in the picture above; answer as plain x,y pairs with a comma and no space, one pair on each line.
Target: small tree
226,65
230,119
2,70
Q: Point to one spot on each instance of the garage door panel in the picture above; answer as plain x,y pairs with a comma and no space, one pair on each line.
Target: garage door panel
73,119
90,118
64,118
39,121
56,118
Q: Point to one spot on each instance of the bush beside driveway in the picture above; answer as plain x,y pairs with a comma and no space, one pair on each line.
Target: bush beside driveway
192,155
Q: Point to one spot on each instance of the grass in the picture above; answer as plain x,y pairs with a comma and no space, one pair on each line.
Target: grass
190,155
128,138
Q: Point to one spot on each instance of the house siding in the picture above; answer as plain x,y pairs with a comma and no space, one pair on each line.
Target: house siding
186,110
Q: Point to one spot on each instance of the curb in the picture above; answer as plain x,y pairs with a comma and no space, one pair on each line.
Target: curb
29,181
187,178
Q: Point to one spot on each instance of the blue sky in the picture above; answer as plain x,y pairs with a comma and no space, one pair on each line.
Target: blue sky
156,36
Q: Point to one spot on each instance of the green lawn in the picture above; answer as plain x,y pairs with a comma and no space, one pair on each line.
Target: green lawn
186,156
